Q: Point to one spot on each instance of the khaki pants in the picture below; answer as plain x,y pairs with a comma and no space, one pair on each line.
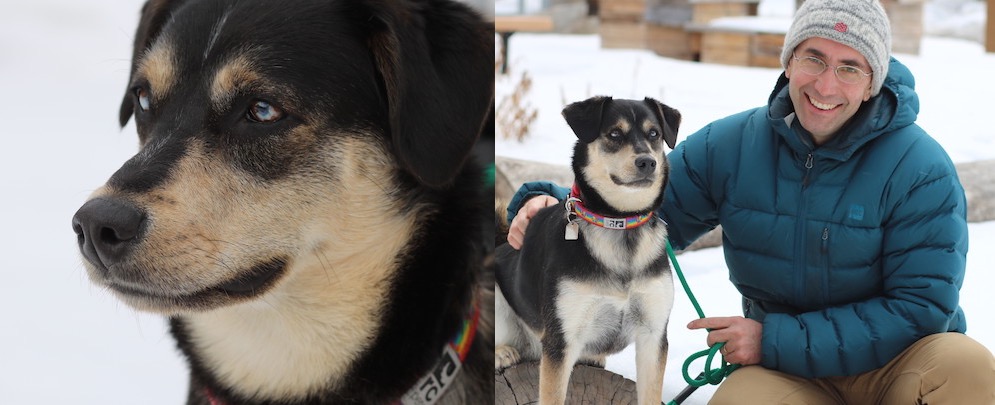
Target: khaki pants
945,368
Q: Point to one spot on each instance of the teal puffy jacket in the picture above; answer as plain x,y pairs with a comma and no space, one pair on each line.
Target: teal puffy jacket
847,253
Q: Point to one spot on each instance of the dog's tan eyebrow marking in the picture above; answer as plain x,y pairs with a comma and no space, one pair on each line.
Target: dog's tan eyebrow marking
236,73
648,124
158,67
624,124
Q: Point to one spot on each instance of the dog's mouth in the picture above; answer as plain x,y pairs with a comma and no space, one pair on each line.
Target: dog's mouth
637,183
253,282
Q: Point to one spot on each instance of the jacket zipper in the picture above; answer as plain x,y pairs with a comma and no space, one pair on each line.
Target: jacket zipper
809,162
825,265
801,243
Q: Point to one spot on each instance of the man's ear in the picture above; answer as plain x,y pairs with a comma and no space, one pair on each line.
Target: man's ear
584,117
155,14
436,60
668,117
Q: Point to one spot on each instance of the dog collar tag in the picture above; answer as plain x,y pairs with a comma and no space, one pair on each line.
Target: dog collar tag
572,232
430,388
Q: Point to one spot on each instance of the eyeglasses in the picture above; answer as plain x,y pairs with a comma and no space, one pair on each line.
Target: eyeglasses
815,66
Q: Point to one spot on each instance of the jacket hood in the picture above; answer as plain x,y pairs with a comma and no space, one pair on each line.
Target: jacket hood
895,107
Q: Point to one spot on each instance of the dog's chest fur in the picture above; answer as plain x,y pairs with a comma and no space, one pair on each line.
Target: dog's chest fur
601,313
602,317
627,253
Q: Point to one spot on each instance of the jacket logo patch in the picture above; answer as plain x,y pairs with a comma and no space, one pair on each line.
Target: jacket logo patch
856,212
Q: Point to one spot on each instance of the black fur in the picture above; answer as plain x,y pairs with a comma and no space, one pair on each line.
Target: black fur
530,279
417,72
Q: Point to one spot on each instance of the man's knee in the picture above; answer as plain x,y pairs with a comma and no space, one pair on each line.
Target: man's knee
948,368
957,356
948,352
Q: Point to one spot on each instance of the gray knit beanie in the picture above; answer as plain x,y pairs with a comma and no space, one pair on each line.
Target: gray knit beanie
859,24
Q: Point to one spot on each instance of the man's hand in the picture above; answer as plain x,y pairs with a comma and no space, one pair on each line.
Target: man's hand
742,336
516,233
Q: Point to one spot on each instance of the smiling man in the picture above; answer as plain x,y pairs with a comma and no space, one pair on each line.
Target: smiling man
844,229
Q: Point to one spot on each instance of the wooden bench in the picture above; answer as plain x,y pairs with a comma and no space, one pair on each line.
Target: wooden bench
506,25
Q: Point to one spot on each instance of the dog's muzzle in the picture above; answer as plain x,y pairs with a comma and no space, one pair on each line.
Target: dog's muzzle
107,230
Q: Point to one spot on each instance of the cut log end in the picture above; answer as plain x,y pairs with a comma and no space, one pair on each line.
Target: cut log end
519,385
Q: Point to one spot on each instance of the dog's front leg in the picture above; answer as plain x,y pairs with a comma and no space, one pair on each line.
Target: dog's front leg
651,360
555,367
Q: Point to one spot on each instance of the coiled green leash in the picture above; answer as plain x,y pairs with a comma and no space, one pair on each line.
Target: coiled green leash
709,376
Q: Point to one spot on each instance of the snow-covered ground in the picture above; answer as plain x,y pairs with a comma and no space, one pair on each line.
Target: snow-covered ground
63,70
952,80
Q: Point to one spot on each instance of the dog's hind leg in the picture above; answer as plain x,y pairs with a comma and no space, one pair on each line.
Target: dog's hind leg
513,341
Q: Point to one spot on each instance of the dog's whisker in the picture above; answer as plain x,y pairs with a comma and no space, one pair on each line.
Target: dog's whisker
325,266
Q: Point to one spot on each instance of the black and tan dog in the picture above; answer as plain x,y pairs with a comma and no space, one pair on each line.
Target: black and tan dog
592,276
303,206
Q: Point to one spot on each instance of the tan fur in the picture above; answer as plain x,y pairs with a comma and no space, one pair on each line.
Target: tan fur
553,380
624,125
601,165
158,67
237,73
209,222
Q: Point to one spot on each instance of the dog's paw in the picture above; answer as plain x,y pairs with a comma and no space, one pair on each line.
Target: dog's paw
505,356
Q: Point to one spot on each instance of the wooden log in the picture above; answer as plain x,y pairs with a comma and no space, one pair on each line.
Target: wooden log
519,385
978,179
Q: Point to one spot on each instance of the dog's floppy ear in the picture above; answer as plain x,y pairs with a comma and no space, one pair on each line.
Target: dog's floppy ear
155,13
669,118
436,60
584,117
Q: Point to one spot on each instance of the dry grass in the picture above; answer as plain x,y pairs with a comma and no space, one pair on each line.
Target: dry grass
514,113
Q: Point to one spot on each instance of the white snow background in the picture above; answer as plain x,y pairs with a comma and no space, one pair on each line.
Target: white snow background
953,81
63,72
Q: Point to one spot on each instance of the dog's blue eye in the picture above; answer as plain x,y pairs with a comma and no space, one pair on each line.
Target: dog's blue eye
262,111
143,98
615,133
653,134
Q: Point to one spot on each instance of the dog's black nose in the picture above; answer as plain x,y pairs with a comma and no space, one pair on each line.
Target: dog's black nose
645,165
106,230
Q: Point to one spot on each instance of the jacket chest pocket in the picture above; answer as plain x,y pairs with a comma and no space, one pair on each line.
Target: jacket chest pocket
849,261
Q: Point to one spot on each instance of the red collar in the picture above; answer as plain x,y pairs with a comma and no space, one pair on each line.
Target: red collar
575,206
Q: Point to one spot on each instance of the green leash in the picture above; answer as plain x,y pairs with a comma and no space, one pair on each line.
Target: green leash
709,376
